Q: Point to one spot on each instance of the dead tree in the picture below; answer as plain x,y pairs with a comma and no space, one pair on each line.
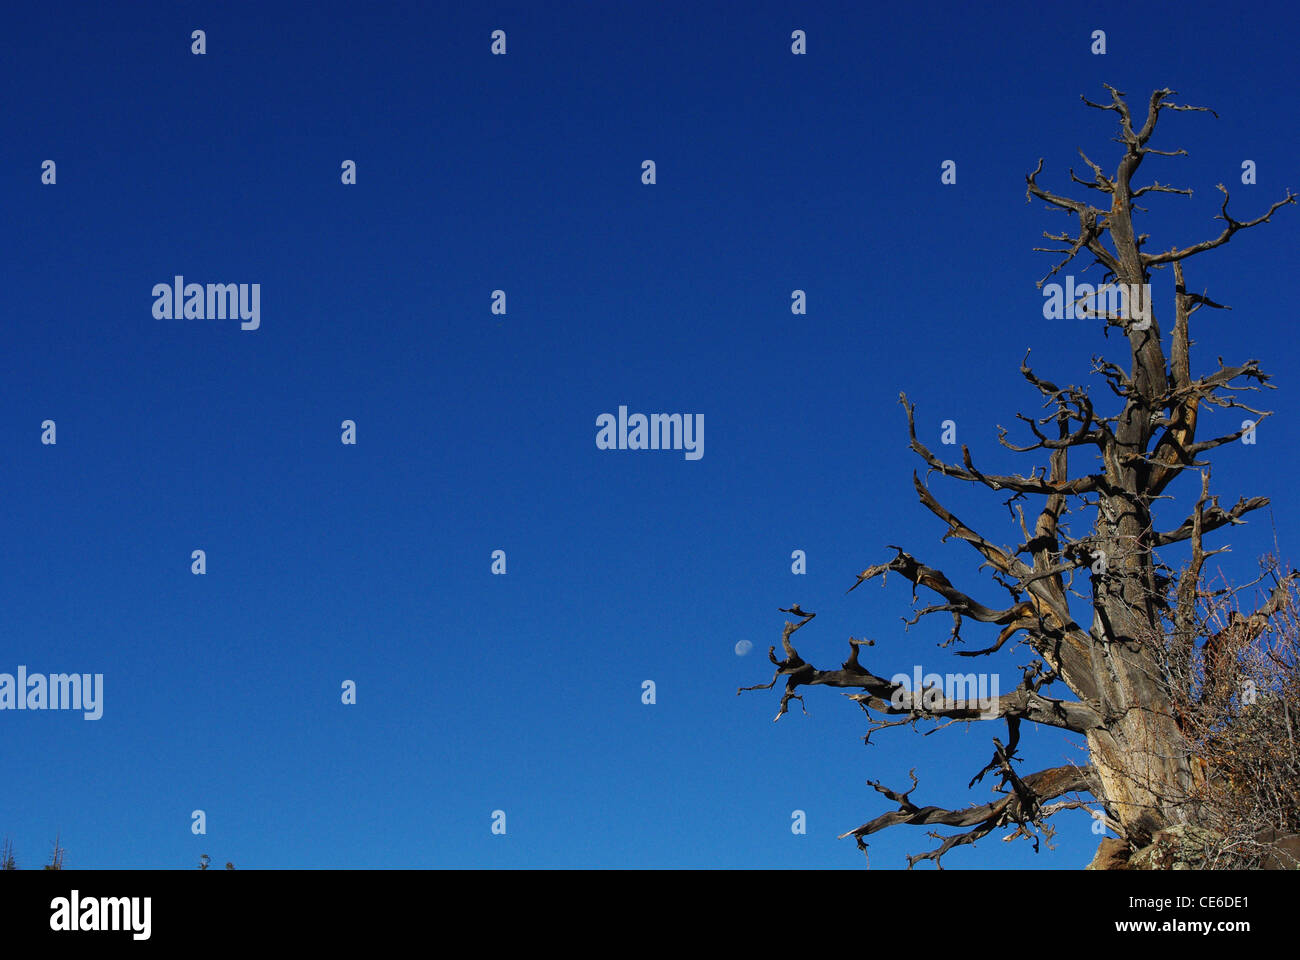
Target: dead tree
1115,660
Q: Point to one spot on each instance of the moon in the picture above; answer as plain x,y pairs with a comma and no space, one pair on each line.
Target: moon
743,647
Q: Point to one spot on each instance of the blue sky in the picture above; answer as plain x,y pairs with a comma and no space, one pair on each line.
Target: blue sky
371,562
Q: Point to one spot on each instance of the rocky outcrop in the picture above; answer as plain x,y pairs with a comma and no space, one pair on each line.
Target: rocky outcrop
1180,847
1186,847
1283,850
1111,855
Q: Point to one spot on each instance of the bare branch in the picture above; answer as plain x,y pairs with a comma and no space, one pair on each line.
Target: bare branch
1150,259
1211,519
1044,785
1017,484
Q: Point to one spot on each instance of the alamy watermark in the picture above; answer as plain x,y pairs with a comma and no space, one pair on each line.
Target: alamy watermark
179,300
75,913
58,691
1120,301
953,691
658,431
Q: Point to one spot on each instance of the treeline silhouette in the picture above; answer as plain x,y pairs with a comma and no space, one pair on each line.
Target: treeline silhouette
9,862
